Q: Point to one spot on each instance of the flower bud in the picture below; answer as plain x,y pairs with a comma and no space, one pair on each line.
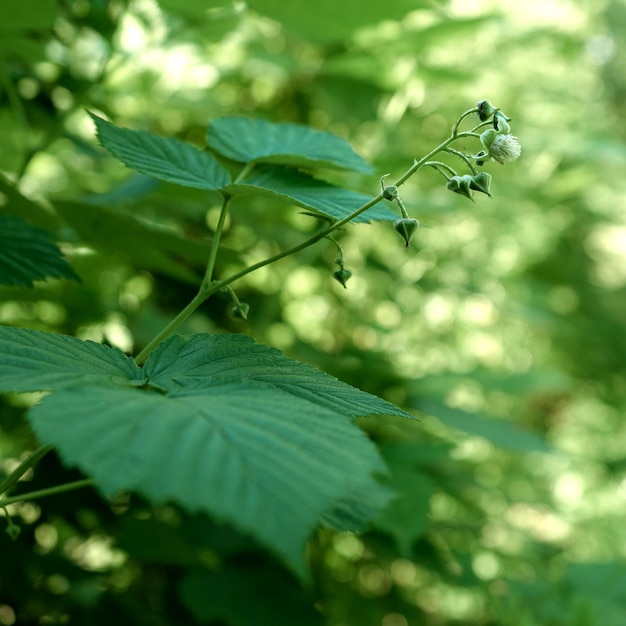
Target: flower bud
241,311
390,192
485,110
505,148
461,184
13,530
406,227
342,275
481,182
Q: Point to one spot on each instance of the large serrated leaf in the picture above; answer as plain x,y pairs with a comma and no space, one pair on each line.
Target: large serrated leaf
267,461
28,254
164,158
34,361
310,193
201,360
248,140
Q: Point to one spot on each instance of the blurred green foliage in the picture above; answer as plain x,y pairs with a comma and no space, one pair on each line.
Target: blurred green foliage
502,327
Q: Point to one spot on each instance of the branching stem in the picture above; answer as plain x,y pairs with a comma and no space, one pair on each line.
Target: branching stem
210,286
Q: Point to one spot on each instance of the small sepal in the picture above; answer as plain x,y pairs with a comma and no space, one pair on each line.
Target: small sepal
241,310
461,185
342,275
406,227
481,182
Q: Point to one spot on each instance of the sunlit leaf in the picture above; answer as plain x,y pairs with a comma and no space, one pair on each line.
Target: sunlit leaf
310,193
33,361
250,140
164,158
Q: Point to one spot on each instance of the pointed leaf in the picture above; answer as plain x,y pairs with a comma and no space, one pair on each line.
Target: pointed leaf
310,193
161,249
161,157
498,431
198,361
35,361
265,460
28,254
247,140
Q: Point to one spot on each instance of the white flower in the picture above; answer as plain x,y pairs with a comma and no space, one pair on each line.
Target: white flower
505,148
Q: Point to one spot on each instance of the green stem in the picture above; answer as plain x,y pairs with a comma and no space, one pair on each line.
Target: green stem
51,491
215,244
171,327
9,482
209,286
443,168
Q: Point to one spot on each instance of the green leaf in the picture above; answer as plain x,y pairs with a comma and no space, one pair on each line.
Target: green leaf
198,361
499,432
310,193
330,20
248,596
28,254
34,361
269,463
13,203
162,157
228,427
406,517
148,245
248,140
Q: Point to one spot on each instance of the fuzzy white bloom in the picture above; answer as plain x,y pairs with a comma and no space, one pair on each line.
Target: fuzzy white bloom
505,148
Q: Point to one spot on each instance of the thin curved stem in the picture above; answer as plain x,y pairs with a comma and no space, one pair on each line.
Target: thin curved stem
9,482
51,491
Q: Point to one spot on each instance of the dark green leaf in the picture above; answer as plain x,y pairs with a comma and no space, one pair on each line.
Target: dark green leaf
499,432
268,462
13,203
231,428
248,140
34,361
28,254
312,194
161,157
245,596
199,361
148,245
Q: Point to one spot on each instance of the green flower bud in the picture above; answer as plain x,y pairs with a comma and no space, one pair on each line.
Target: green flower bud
406,227
461,184
485,110
342,275
390,192
13,530
505,148
481,182
241,311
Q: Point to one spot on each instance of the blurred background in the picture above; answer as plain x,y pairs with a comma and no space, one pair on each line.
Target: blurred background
503,327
